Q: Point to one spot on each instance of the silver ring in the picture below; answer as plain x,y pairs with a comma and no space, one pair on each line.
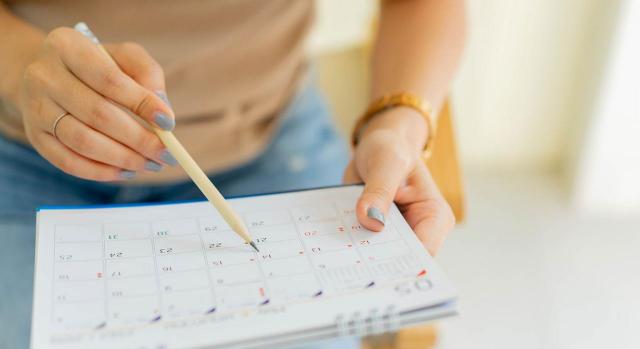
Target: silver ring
55,123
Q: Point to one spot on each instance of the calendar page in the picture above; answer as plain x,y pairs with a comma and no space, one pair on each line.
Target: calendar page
176,276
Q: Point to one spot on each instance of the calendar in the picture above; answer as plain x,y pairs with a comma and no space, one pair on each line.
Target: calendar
176,276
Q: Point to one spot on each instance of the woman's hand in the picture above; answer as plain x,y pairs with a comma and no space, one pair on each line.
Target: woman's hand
99,139
387,159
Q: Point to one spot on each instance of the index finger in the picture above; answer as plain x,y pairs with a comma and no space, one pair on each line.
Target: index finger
99,71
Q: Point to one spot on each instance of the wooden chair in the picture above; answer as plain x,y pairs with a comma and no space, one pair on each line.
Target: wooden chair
445,169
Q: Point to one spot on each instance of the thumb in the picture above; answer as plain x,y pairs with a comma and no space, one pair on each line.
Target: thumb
138,64
380,188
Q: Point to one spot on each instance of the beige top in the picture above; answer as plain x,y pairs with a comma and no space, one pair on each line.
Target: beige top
230,65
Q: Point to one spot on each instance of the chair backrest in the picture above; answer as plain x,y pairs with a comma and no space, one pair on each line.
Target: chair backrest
444,165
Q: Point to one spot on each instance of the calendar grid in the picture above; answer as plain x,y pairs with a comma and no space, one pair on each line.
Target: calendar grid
321,249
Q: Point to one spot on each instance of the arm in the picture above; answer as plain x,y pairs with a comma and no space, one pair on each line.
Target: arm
417,50
20,45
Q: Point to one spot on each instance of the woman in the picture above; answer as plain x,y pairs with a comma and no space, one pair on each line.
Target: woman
242,103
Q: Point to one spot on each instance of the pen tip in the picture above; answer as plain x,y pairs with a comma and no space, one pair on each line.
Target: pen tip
253,244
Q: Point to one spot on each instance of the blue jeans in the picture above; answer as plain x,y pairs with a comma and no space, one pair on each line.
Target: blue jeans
305,152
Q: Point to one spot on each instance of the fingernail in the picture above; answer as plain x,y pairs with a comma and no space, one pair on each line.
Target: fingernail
126,174
375,213
164,121
163,96
152,166
168,158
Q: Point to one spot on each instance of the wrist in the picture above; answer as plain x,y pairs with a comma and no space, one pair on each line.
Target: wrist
404,122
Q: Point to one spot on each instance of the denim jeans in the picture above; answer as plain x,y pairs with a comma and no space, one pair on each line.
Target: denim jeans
305,152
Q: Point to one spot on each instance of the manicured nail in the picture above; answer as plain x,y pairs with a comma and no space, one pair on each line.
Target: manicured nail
163,96
164,121
375,213
126,174
168,158
152,166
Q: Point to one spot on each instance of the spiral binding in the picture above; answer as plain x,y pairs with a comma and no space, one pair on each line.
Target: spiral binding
370,322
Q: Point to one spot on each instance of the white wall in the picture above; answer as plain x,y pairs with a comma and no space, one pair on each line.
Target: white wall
519,84
608,170
516,93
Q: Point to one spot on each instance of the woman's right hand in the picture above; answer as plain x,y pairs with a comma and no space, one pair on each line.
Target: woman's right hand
99,139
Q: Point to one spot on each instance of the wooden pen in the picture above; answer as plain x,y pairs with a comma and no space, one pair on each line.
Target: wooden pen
189,165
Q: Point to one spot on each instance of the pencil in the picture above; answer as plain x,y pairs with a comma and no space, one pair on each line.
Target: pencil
190,166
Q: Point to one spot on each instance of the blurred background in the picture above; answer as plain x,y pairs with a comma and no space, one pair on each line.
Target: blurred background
546,109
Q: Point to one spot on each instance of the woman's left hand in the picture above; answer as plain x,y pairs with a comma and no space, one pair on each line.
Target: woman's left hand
390,165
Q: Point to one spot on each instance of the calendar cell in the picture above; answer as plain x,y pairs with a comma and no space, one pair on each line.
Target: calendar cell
129,267
126,231
79,271
346,208
286,266
221,239
182,281
266,218
213,224
78,233
132,287
385,250
187,303
281,249
396,268
348,277
177,244
235,274
119,249
348,257
305,214
301,286
252,294
309,230
134,310
365,237
180,262
78,291
330,242
175,227
70,316
274,233
231,256
78,251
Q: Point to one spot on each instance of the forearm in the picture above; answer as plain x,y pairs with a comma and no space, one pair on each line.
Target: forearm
19,44
417,50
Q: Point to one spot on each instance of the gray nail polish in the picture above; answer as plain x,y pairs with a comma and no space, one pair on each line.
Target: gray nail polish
164,121
126,174
375,213
164,97
168,158
152,166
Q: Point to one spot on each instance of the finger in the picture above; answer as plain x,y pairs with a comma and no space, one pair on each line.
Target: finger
102,115
425,209
385,174
420,186
136,62
105,77
351,175
72,163
94,145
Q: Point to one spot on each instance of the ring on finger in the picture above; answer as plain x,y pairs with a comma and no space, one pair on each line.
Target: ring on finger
55,123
